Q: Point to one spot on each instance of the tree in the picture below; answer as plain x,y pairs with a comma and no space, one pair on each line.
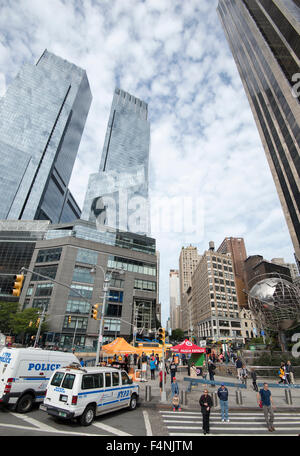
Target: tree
177,334
7,311
20,323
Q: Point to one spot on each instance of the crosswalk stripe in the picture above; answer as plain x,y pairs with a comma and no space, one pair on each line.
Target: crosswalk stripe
260,420
232,428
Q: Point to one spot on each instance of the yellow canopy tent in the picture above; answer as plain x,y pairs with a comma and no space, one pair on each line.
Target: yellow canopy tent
119,345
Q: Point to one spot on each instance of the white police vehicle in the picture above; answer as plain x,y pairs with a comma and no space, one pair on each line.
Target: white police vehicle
83,393
25,373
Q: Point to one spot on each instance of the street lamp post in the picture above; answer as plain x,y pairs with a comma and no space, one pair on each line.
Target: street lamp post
107,279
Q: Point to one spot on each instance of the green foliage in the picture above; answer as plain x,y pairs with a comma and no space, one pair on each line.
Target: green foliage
7,311
274,359
177,334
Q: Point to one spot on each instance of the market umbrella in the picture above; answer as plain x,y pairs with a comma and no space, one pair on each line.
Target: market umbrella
187,347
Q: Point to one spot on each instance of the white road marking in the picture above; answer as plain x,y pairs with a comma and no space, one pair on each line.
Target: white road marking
110,429
27,428
147,423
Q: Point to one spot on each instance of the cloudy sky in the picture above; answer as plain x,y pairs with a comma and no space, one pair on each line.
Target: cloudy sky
206,156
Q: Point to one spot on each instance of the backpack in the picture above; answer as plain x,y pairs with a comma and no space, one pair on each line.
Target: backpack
175,400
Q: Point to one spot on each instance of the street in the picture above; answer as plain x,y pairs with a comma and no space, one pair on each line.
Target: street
149,421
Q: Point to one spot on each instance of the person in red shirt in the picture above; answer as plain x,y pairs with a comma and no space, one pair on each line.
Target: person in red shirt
160,379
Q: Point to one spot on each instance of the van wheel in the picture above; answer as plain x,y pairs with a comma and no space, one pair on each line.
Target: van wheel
25,403
133,402
88,416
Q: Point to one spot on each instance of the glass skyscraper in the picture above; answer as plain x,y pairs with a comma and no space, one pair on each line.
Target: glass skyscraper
264,39
117,196
42,117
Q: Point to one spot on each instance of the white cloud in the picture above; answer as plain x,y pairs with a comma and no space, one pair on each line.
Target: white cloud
204,142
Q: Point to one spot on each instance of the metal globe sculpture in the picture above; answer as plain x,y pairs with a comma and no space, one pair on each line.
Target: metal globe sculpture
276,303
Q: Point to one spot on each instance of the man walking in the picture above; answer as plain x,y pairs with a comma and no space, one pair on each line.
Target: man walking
144,367
211,371
173,370
265,397
239,366
206,403
223,397
254,378
152,368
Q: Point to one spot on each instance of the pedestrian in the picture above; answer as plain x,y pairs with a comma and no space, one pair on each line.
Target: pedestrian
211,371
81,362
265,401
152,368
135,357
289,372
160,379
281,373
244,374
239,366
175,403
173,370
254,378
156,361
223,397
206,403
144,367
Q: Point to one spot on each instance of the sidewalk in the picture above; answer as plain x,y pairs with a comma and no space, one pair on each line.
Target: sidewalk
249,399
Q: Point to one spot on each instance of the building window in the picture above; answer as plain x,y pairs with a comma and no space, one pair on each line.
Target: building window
46,256
84,275
83,290
112,325
144,285
87,256
48,271
115,296
131,265
41,303
76,306
44,289
114,310
79,322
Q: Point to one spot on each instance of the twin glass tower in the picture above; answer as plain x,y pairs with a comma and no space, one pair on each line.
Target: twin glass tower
42,117
117,196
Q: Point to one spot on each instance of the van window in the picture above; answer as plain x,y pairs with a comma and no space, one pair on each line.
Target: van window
68,381
107,379
57,378
92,381
125,378
115,378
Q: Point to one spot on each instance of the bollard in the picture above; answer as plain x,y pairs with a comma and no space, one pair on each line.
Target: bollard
288,397
148,393
183,397
238,396
215,399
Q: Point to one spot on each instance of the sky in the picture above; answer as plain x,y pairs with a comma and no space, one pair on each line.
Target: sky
208,169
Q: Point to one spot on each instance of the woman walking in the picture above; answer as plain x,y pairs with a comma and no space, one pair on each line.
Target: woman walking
206,403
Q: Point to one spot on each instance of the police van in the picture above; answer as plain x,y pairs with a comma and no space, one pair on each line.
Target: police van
25,373
83,393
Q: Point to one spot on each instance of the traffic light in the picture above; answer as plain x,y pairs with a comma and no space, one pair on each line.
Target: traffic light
69,319
161,335
94,312
30,323
17,286
37,322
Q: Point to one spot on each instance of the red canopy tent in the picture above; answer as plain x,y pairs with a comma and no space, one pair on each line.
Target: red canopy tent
187,347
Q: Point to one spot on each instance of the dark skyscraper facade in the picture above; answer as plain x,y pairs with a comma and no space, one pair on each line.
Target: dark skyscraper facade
264,39
42,117
117,196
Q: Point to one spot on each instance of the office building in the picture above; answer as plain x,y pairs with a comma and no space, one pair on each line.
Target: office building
236,247
174,299
188,261
117,196
292,267
264,39
214,305
67,254
42,116
257,269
